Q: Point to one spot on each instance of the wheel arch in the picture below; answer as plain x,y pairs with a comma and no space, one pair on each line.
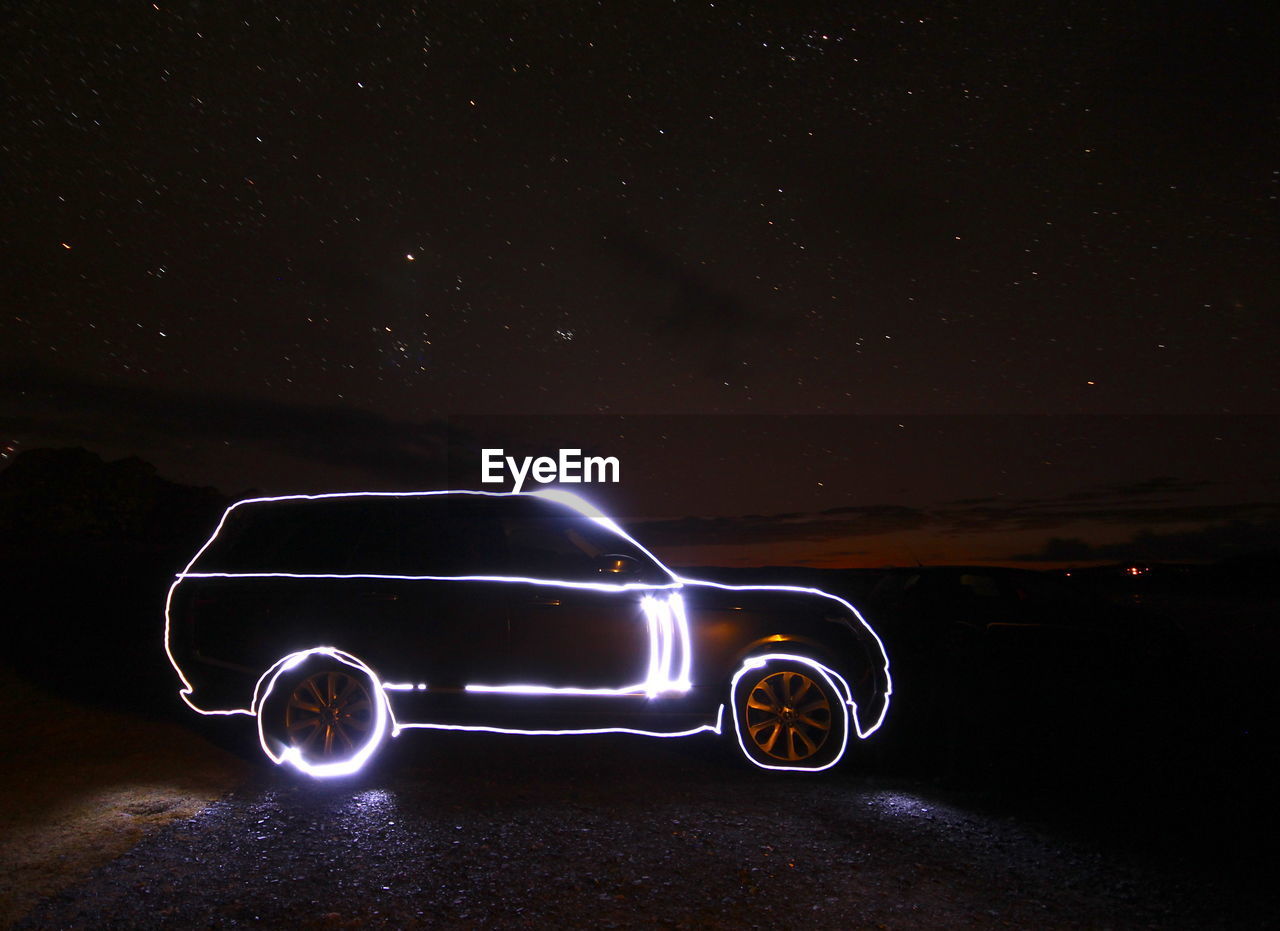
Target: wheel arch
805,648
834,680
854,667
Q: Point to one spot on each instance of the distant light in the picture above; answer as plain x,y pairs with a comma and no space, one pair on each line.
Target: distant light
409,256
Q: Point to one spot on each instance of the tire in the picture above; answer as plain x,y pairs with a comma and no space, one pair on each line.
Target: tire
323,713
789,714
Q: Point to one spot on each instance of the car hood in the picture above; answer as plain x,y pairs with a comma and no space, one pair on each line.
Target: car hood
771,598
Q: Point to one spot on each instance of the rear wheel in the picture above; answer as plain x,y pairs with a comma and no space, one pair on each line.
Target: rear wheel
789,715
325,715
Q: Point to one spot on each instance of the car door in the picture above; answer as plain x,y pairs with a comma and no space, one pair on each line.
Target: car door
572,638
573,623
429,597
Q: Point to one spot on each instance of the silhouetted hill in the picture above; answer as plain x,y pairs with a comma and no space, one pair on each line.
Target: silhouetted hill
73,497
88,549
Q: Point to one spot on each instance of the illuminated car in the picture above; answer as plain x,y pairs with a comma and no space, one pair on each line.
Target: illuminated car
336,620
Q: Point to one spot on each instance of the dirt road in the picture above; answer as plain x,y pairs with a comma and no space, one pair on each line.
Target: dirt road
466,830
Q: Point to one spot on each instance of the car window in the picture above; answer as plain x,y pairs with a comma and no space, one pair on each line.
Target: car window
286,536
550,547
430,538
410,535
550,544
427,535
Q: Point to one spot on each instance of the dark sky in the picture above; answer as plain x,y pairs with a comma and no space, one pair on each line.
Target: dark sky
281,246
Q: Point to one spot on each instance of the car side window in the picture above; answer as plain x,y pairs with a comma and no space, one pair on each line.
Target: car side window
550,547
459,545
429,537
549,544
287,537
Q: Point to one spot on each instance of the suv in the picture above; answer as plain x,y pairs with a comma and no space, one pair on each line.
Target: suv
336,620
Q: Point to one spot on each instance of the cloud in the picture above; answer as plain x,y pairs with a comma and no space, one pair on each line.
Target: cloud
979,516
139,417
1163,485
836,524
1046,515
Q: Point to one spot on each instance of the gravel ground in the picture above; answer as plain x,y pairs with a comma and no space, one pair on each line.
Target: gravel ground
80,785
476,831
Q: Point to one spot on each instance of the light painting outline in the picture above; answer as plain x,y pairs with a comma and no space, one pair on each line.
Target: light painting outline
670,653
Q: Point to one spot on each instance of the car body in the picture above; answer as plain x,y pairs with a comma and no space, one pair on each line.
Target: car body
338,619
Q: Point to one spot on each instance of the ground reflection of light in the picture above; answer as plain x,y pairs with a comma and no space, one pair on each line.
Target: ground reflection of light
376,799
908,805
372,809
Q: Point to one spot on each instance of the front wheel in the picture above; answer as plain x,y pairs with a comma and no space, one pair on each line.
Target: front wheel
789,714
323,713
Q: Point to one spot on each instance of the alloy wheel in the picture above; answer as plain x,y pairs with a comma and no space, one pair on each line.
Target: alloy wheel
329,715
788,716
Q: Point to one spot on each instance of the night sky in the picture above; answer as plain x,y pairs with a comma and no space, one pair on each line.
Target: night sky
958,281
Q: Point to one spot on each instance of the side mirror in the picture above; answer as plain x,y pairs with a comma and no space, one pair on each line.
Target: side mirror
617,564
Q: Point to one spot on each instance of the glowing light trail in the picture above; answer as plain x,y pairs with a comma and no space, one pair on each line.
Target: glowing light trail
571,732
293,755
670,652
830,676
